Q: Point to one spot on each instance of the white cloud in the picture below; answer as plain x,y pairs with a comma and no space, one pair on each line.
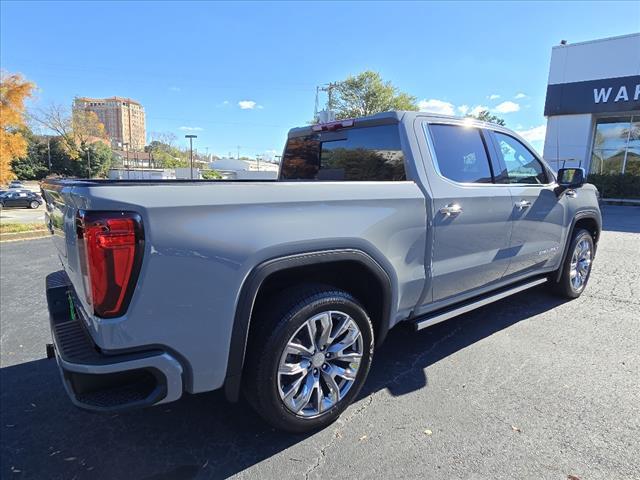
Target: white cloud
191,129
507,107
463,109
175,89
269,155
477,109
493,96
520,95
248,105
436,106
535,134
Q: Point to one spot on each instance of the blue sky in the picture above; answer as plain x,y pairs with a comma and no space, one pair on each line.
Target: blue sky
244,73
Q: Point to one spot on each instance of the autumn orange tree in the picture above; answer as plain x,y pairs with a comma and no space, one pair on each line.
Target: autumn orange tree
14,90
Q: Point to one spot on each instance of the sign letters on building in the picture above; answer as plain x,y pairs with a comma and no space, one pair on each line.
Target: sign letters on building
609,95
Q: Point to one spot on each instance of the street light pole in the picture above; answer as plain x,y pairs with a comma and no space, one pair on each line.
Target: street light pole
89,159
191,137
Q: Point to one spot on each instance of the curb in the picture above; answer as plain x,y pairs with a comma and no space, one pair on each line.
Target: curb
11,237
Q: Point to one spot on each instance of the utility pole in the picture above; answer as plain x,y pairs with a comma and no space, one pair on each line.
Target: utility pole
191,137
49,152
258,159
327,87
238,156
89,160
125,144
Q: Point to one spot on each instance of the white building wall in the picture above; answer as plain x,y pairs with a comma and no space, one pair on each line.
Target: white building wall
151,174
608,58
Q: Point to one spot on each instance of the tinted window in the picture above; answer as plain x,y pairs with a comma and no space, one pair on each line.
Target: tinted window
460,153
359,154
522,165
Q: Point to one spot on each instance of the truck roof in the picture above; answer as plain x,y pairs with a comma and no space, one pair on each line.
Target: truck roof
396,116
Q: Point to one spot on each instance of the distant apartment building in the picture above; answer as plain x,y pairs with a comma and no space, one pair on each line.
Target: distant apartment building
123,120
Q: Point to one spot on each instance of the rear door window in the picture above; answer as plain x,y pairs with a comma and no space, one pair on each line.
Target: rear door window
357,154
461,154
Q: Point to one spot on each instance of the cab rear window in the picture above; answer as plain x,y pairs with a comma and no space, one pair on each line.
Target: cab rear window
358,154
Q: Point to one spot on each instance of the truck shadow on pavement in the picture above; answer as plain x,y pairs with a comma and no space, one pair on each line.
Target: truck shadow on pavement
203,436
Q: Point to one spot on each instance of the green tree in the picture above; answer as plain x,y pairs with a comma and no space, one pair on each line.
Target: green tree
366,94
486,116
166,156
97,155
34,165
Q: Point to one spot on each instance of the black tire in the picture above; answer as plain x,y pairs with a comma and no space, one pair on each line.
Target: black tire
31,205
270,333
564,287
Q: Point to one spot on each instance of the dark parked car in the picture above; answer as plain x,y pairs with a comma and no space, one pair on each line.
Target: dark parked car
20,198
16,184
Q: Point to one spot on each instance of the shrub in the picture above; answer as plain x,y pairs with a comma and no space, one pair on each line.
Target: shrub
210,175
616,186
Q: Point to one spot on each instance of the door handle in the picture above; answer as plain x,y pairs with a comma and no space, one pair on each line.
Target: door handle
451,210
571,193
522,204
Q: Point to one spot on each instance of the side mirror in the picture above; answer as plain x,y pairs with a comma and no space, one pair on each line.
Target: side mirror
571,178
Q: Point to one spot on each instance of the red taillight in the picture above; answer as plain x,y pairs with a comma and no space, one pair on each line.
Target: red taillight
112,245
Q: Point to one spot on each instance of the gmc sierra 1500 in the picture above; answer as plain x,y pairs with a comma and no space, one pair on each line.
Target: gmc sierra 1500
280,289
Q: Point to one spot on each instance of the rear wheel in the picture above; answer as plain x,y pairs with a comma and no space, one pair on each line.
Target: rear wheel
577,266
309,359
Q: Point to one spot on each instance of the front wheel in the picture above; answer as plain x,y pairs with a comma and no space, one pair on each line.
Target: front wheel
308,360
576,268
34,204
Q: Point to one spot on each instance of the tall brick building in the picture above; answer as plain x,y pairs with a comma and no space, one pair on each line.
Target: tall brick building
123,119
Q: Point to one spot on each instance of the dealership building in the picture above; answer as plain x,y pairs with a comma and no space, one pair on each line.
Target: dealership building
593,106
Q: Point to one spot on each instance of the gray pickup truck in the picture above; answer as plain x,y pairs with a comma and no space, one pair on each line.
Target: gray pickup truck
279,290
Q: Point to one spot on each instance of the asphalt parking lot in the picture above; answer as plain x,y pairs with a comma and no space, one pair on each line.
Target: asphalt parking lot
22,215
529,387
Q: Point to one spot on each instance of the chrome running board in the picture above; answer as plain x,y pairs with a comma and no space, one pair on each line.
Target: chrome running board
450,312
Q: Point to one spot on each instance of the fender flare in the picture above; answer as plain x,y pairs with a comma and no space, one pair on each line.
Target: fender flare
591,214
261,272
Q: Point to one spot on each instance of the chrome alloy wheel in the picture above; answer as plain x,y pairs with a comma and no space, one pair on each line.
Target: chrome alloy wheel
580,264
320,363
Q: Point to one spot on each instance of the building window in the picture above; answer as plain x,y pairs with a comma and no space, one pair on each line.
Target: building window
616,146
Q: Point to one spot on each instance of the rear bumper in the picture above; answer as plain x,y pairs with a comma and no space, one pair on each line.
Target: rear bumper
97,381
